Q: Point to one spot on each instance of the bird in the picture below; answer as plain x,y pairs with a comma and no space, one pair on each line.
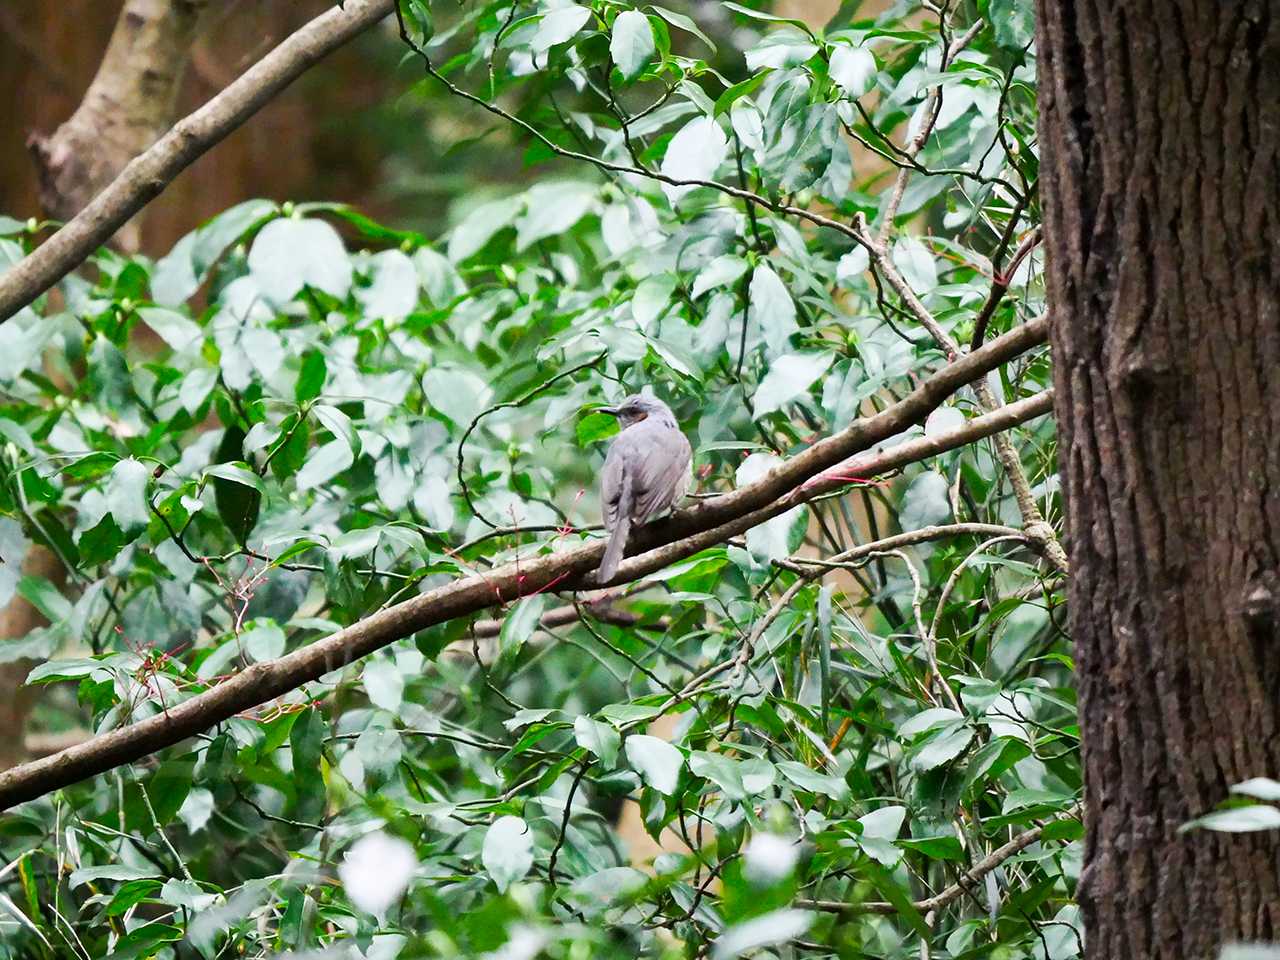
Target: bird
646,470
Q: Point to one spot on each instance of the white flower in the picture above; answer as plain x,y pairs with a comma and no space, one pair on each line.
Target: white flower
376,871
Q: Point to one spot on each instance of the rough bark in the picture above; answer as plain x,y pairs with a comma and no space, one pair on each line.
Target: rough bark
129,104
1160,146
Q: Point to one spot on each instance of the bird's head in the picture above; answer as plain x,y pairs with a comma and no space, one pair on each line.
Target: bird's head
640,407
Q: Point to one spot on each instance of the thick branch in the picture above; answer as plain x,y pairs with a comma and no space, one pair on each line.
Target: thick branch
127,107
148,174
682,534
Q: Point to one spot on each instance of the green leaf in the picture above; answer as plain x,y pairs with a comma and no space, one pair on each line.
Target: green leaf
926,502
680,21
126,496
522,718
790,376
167,788
941,746
809,779
622,714
853,70
935,848
71,669
852,265
324,464
559,26
130,894
632,45
1013,21
384,684
916,264
459,394
263,641
551,209
595,427
721,770
891,891
929,719
1246,819
142,941
651,299
517,628
657,762
694,153
393,295
720,272
355,543
238,500
772,308
600,739
289,254
885,823
306,741
479,226
45,597
1263,788
115,871
507,852
777,537
179,273
237,473
418,14
173,328
739,90
311,377
775,927
339,424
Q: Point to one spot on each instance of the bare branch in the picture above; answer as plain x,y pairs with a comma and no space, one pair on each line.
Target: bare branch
707,523
147,175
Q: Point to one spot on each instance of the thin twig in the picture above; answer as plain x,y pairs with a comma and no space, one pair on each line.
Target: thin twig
961,886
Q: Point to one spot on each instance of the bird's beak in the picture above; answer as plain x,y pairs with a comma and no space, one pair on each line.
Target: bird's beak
612,411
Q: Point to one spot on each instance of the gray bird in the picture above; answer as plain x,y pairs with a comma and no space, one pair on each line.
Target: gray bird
646,471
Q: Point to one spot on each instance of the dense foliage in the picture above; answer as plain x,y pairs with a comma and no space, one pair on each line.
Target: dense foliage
297,417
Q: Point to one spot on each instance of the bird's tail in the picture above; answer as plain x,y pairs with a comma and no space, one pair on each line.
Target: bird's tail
613,552
617,545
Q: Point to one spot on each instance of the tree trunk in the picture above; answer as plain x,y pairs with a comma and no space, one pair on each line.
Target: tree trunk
1160,176
127,107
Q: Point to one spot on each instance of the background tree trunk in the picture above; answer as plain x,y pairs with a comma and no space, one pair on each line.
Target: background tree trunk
50,53
129,104
1160,146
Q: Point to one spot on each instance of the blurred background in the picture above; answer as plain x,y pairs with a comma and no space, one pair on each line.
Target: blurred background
360,127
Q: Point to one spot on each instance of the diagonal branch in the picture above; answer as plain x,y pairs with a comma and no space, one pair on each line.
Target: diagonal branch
148,174
684,533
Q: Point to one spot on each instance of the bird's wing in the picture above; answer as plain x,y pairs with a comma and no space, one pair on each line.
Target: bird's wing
611,488
661,467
